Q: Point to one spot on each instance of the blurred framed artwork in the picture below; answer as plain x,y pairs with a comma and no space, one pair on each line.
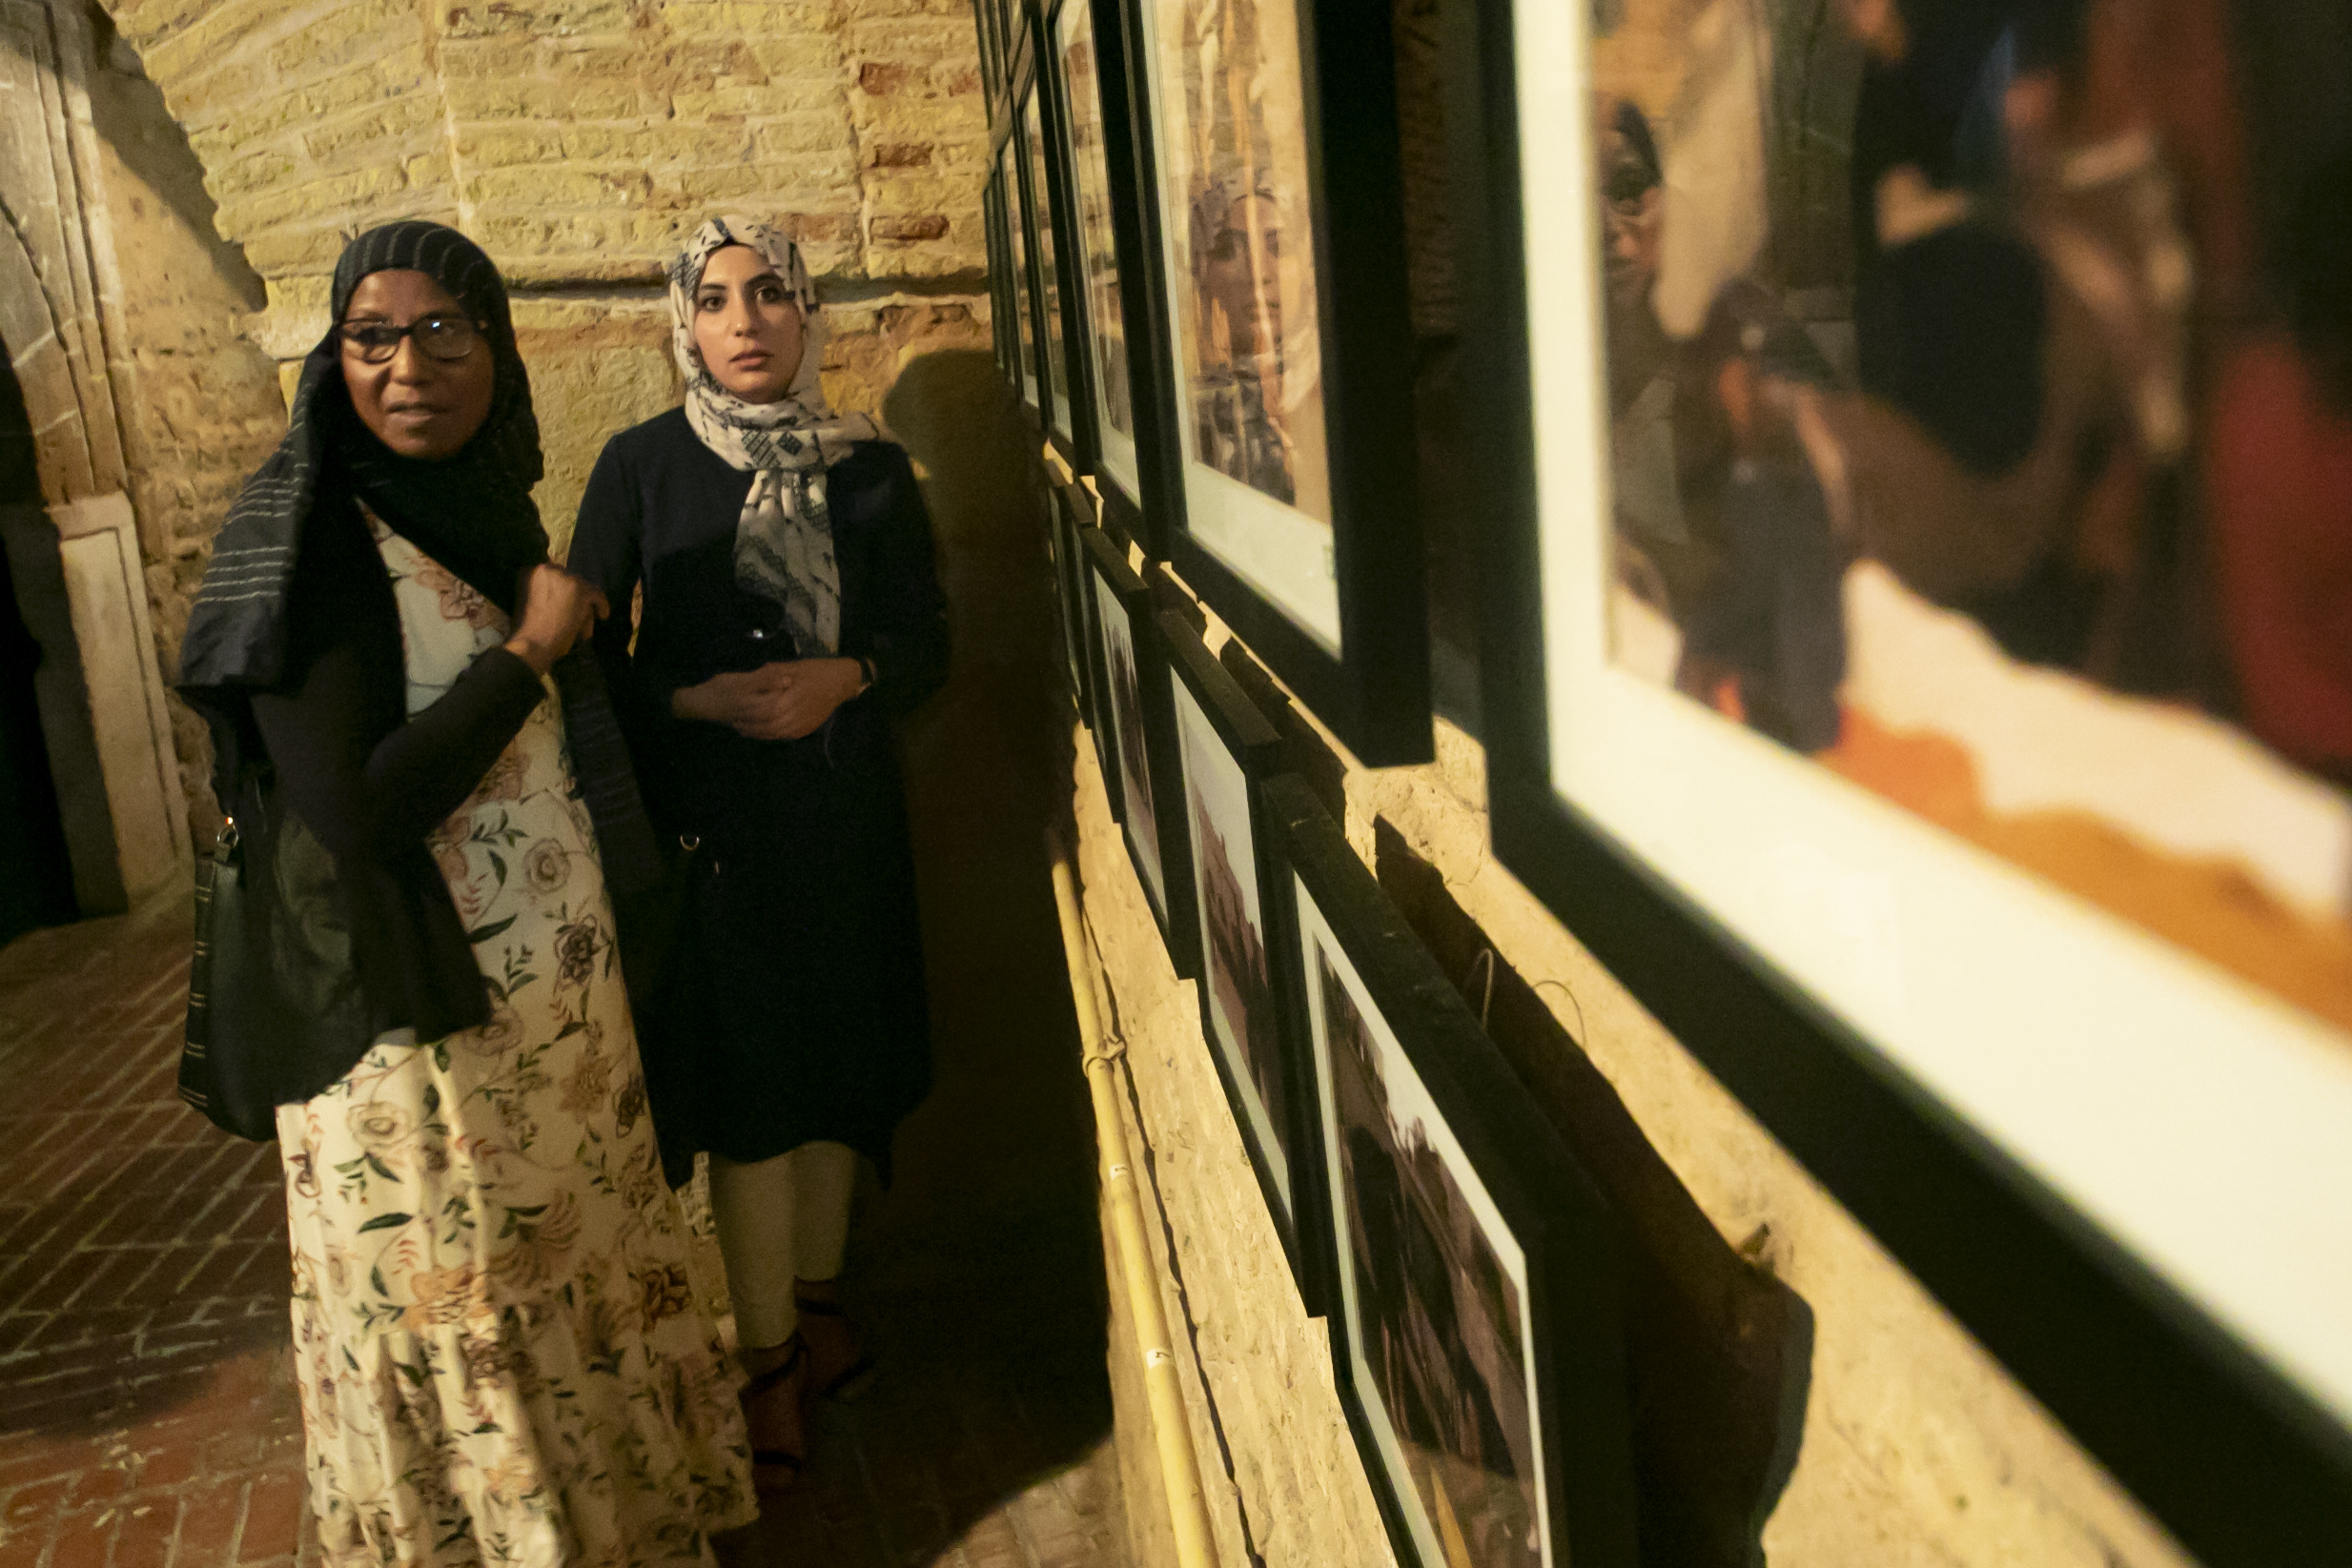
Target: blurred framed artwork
1892,672
1273,221
1047,252
1474,1310
1004,327
1134,732
1227,750
1013,181
1073,590
1088,98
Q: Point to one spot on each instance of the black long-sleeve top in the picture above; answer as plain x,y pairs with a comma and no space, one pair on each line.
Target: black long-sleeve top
370,782
660,510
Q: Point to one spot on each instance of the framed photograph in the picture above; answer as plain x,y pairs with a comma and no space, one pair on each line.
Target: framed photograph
1475,1317
1074,437
1045,254
1877,687
1004,327
1085,80
983,17
1073,590
1276,222
1011,179
1227,750
1135,736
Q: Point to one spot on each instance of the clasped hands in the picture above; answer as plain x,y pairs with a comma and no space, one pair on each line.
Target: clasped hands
778,702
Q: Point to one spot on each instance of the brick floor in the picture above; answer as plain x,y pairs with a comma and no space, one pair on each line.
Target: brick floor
146,1409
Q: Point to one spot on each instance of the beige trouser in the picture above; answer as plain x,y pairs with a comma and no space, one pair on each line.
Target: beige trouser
777,1219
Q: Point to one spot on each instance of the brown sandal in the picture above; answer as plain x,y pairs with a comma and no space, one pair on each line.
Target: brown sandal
784,1460
852,1381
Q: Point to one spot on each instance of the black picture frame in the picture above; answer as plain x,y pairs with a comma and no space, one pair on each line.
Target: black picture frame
1073,440
1140,483
1365,673
1394,1050
1051,363
1020,284
991,46
1065,525
1226,751
2243,1466
1135,733
1004,324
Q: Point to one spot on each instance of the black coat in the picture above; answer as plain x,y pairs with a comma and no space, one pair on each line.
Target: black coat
800,1013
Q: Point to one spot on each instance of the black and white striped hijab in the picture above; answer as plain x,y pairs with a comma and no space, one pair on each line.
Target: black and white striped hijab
472,513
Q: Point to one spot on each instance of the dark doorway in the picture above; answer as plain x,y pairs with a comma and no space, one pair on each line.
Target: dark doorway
36,879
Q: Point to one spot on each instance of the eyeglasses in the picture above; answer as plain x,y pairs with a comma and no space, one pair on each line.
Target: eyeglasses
440,336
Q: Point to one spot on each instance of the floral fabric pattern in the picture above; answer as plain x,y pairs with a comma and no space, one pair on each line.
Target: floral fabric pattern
498,1350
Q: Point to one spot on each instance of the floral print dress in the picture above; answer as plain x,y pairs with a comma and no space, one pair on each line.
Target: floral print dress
500,1354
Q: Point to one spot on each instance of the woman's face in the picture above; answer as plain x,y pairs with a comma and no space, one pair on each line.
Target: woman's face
415,401
747,326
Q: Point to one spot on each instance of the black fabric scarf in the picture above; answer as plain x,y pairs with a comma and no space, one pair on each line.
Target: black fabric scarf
472,513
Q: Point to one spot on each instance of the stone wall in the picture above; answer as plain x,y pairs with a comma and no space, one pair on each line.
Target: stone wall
198,402
1916,1450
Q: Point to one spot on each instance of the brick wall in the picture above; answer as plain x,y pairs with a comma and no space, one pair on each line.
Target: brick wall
1918,1450
198,401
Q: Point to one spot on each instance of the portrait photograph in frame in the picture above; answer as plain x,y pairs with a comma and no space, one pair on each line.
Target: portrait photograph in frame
1227,750
1103,373
1868,730
1014,181
1046,253
1274,223
1135,732
1474,1307
1069,515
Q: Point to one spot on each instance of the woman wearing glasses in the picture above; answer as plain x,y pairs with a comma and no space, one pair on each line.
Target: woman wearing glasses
498,1353
790,611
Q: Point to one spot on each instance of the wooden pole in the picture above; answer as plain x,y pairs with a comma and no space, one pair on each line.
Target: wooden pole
1171,1430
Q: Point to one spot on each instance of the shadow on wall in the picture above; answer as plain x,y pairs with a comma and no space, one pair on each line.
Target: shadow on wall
980,1272
129,111
1718,1351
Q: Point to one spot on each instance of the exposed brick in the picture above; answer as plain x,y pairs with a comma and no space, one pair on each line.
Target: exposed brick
208,1523
909,228
83,1539
273,1511
881,78
900,156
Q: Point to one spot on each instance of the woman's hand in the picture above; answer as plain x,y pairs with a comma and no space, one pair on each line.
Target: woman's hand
558,610
781,702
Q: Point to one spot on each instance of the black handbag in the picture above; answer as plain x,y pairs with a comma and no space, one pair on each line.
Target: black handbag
271,986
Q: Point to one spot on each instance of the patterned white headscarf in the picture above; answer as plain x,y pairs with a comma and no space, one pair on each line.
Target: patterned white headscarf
784,537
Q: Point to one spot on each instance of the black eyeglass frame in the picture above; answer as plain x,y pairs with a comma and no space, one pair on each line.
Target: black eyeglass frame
347,332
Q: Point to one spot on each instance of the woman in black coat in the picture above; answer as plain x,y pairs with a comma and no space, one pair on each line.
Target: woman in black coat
790,611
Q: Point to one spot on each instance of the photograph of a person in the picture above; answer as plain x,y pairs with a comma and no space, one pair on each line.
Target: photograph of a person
1142,817
1105,320
1434,1288
1233,933
1049,284
1980,428
1235,194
